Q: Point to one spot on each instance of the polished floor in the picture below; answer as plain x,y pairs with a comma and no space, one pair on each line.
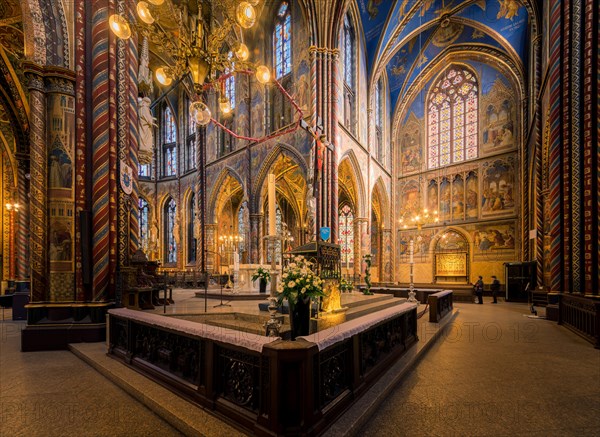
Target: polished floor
494,371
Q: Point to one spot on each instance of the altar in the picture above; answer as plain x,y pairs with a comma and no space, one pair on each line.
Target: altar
243,283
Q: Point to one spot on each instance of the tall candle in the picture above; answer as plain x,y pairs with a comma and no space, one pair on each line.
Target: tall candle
272,228
412,250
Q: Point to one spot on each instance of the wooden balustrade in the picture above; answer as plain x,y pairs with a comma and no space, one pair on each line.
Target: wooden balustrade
581,315
440,305
279,387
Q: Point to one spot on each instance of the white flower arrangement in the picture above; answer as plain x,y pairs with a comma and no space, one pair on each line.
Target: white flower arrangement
299,281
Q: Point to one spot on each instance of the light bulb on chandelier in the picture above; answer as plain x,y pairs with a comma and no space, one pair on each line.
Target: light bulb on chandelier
263,75
225,105
200,112
246,15
242,52
119,26
144,13
162,76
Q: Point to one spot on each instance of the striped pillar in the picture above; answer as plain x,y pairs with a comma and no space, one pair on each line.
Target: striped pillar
132,117
555,175
122,145
38,169
81,138
104,156
566,145
575,143
22,228
590,126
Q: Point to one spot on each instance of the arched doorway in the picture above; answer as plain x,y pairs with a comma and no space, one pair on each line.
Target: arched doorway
451,258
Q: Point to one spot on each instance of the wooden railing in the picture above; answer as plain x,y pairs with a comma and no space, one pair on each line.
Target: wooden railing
581,315
440,305
279,388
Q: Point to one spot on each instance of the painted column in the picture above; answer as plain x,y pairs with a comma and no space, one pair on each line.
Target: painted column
201,190
590,135
324,71
255,238
22,231
575,144
555,176
60,156
38,221
212,258
104,153
363,245
386,255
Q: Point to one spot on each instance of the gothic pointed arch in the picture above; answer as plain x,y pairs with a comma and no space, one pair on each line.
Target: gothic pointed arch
349,168
281,149
228,177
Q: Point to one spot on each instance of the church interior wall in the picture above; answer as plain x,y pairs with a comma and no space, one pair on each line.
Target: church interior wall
468,194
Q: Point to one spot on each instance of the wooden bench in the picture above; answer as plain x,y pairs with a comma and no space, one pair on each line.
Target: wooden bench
440,305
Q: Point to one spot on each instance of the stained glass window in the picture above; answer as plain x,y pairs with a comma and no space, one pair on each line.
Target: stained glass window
192,237
144,170
282,41
452,118
169,123
170,223
169,145
230,90
191,142
348,45
143,211
379,120
170,157
346,239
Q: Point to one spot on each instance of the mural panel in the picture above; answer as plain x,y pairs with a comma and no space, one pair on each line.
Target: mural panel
494,241
472,195
422,241
445,199
498,185
498,117
410,198
458,198
411,147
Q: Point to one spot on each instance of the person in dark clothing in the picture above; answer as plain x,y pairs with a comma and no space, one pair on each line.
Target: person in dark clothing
478,287
495,287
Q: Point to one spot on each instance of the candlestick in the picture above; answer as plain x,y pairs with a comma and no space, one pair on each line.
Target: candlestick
272,219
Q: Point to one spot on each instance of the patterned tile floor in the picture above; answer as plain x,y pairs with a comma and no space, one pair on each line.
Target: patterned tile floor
494,371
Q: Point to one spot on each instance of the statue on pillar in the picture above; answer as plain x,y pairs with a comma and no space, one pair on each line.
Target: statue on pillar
146,122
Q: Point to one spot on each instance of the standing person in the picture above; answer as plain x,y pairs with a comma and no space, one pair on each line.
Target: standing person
479,290
495,287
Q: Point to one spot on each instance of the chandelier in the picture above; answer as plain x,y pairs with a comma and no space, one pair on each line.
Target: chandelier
419,219
206,53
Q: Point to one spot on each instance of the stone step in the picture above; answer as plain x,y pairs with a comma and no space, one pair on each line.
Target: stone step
349,302
363,310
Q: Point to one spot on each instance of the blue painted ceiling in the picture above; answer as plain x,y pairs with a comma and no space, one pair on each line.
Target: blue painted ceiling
404,36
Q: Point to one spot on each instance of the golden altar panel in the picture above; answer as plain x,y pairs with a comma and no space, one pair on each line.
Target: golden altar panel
451,264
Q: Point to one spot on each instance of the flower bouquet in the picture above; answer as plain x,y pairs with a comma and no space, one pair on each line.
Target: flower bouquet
264,276
345,285
298,285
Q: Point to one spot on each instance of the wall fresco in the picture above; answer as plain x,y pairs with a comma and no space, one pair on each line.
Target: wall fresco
498,187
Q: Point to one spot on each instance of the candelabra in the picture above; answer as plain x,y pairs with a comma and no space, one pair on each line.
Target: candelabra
417,220
229,245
